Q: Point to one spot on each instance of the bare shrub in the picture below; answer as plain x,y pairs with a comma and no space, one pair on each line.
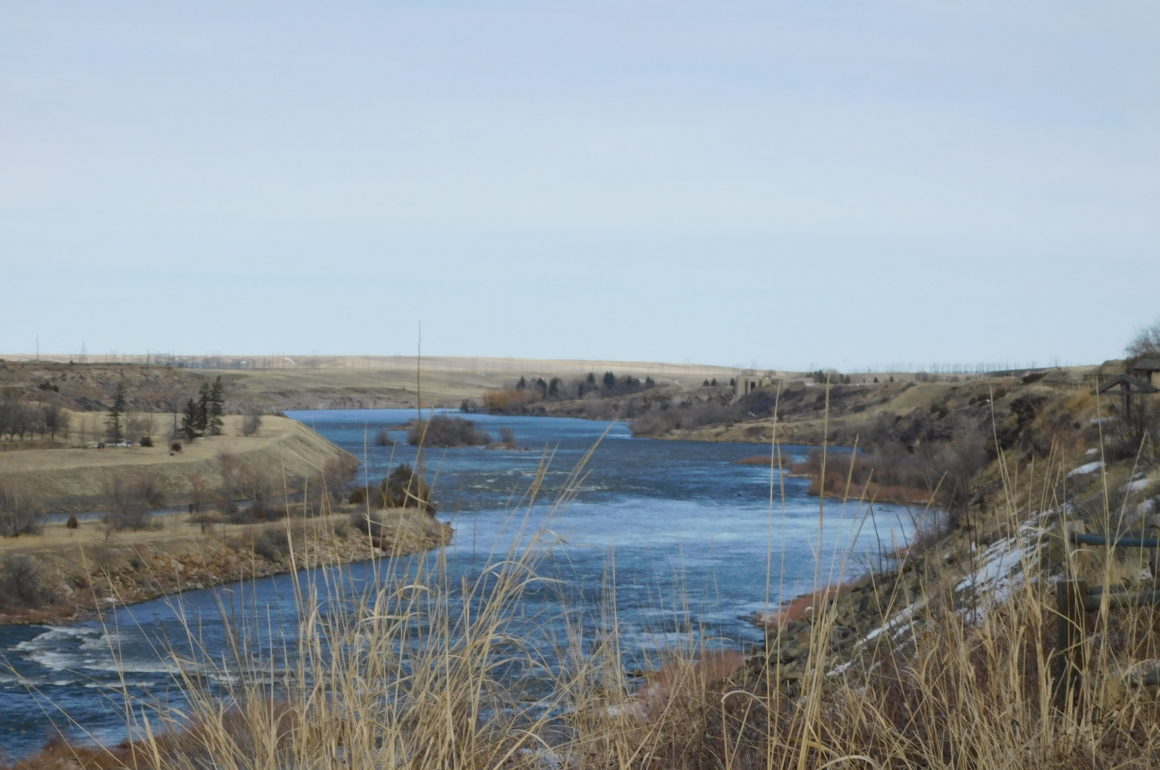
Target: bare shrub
132,498
511,400
1146,342
138,427
199,492
383,438
656,423
444,431
251,424
404,488
272,544
507,439
242,481
20,511
337,473
25,582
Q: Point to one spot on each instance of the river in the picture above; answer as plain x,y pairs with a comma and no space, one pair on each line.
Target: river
696,544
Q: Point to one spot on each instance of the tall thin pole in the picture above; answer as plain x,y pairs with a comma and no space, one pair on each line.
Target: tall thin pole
419,395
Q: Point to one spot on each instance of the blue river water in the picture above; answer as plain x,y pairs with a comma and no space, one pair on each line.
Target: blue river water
675,536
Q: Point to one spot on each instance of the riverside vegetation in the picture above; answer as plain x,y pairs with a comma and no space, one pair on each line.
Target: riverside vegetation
254,491
947,659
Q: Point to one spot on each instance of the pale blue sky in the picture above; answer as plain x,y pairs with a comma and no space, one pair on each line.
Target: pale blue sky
843,184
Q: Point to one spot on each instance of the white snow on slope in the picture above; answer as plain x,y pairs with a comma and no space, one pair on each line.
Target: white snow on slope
1086,468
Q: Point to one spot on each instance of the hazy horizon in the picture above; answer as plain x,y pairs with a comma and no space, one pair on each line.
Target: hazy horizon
318,359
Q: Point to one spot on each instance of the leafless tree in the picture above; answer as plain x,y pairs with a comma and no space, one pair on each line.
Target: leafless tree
20,510
1146,342
252,423
132,500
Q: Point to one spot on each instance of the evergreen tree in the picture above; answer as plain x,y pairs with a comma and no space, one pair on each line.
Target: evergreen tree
523,383
113,427
202,409
189,420
609,380
216,407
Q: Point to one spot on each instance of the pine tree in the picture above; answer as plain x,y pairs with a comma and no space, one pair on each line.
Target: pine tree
189,420
113,427
202,409
215,408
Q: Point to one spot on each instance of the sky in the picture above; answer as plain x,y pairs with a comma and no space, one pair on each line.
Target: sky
849,185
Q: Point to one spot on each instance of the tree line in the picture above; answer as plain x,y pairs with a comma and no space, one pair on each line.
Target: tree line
527,391
608,385
25,419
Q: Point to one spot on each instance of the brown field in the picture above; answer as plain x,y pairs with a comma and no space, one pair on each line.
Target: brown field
283,451
313,382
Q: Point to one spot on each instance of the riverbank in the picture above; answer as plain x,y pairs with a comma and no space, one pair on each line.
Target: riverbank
63,574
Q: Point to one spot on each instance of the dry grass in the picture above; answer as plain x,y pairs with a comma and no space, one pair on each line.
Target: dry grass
77,479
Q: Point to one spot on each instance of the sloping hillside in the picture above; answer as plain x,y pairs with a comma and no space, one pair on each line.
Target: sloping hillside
284,455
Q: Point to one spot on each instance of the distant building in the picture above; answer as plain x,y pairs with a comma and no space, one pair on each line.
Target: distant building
747,382
1144,368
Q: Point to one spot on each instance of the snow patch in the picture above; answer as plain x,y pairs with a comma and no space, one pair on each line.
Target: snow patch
1086,468
898,624
1136,486
999,575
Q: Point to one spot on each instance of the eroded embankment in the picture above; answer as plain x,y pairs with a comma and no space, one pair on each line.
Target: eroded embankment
58,582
